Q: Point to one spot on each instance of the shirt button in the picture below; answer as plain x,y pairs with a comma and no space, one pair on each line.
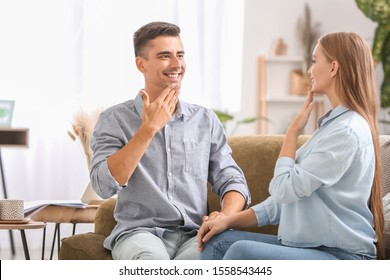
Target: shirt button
169,149
170,174
170,197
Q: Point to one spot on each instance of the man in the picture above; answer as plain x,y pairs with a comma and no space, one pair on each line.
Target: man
157,153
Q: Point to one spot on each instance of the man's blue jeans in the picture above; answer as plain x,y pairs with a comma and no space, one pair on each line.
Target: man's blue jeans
240,245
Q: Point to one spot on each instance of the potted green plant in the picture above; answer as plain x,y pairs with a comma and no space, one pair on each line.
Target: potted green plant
225,117
379,11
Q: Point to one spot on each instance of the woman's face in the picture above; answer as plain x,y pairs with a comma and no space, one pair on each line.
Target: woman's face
320,71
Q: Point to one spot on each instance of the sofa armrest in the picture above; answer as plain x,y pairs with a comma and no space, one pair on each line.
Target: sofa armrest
85,246
104,218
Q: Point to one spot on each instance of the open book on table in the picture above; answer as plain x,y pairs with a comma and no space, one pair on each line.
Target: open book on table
33,207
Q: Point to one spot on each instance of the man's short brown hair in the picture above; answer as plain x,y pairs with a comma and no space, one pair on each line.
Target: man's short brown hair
149,32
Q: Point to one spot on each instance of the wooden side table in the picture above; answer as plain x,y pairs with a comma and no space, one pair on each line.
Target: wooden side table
21,228
64,214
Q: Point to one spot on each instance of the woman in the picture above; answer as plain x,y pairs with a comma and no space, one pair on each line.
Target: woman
326,196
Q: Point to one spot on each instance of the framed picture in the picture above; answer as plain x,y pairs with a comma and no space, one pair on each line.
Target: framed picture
6,112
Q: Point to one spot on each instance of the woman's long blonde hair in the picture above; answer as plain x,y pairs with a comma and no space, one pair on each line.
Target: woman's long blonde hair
356,87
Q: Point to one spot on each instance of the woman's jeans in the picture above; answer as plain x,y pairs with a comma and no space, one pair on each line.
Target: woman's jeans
240,245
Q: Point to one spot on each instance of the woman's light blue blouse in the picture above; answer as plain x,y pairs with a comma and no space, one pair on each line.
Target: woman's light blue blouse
321,198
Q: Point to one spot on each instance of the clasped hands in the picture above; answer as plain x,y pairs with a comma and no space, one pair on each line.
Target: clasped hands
212,224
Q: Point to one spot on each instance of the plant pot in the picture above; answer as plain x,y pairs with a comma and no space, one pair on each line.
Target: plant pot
300,83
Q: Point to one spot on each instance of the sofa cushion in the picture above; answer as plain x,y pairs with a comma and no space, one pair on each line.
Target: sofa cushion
87,246
104,218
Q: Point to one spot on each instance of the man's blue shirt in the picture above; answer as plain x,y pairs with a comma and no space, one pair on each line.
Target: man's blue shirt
168,189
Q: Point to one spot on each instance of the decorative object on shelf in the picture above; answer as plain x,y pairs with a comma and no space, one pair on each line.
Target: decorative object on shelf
307,36
300,83
279,48
379,11
6,112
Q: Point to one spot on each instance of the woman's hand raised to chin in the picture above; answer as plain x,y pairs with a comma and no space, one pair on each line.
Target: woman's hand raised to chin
289,146
301,119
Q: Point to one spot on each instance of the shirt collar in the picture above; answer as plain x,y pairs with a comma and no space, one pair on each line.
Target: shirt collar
181,109
331,115
139,104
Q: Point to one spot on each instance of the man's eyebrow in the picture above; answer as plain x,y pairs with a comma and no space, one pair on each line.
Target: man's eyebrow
164,52
168,52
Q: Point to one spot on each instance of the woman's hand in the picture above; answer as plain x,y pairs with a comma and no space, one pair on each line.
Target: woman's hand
213,215
220,223
289,146
301,119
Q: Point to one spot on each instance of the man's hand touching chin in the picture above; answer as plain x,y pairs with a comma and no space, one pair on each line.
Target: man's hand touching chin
157,113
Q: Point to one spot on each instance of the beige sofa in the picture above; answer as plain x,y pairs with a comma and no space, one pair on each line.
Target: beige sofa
256,155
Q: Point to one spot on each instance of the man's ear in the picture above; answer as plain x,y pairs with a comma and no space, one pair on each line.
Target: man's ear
334,69
139,61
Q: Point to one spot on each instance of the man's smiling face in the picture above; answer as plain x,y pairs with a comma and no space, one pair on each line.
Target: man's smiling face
163,63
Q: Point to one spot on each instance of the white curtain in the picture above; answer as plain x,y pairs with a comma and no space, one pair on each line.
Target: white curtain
60,56
212,34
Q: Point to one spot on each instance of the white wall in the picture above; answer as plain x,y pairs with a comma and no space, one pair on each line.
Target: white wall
267,20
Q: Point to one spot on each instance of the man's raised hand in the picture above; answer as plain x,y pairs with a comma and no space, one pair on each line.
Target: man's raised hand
157,114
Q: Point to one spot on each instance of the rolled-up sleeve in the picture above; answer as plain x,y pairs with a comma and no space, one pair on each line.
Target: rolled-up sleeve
267,212
224,173
104,143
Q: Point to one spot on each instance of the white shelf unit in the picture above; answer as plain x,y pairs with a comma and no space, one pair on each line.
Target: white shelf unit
275,103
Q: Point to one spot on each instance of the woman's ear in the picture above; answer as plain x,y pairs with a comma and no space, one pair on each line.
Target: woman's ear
139,61
334,69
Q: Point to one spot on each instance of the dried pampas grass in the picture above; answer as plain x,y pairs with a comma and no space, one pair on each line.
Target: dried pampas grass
82,126
308,35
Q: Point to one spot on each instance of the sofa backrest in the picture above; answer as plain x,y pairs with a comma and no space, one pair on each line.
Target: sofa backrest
385,152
